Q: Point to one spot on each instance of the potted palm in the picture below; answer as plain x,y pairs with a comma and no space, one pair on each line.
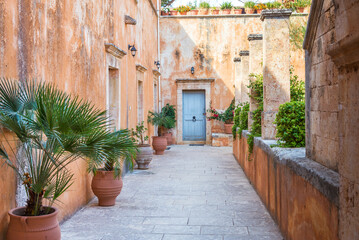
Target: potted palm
215,11
204,8
145,154
159,143
51,129
238,10
249,7
226,7
170,111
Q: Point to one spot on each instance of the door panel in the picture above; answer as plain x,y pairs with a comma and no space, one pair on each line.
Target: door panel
194,118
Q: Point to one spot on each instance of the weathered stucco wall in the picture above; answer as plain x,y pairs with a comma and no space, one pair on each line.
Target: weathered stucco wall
332,73
209,44
300,194
63,42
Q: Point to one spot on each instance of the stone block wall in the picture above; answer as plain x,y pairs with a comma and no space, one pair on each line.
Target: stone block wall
301,195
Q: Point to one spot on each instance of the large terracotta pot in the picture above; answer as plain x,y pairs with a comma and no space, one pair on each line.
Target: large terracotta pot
203,11
226,11
163,13
144,157
183,13
106,187
228,128
159,144
173,13
249,10
238,11
215,11
300,9
45,227
194,12
168,135
259,11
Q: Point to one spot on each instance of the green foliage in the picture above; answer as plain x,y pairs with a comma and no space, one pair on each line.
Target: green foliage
256,87
301,3
243,118
52,129
192,5
166,3
204,5
290,121
170,111
236,121
297,30
226,5
161,120
297,87
226,116
273,5
249,4
138,135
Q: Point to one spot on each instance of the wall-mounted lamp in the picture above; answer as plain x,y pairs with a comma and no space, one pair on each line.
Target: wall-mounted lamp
192,70
132,49
158,64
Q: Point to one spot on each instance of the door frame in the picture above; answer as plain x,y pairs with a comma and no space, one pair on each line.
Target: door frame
193,84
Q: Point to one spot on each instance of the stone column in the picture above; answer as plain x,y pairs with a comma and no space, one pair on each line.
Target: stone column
276,64
244,75
237,79
256,67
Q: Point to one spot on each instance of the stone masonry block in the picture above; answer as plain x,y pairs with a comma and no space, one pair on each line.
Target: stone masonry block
268,127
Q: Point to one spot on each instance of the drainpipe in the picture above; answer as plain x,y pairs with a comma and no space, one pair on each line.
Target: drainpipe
158,53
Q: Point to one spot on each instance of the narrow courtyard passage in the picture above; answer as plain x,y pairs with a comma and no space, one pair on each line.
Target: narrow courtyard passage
189,193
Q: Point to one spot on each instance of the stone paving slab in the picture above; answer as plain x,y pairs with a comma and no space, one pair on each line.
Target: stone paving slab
189,193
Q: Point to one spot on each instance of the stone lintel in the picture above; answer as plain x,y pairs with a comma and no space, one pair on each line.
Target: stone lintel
141,68
194,80
252,37
130,20
237,59
244,53
345,51
276,13
156,72
322,178
114,50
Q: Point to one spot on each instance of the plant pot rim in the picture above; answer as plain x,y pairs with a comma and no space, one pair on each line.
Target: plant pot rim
11,213
143,145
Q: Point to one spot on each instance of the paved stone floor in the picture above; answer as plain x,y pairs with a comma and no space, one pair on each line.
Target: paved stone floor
189,193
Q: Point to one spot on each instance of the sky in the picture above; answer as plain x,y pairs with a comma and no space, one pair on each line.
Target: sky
216,2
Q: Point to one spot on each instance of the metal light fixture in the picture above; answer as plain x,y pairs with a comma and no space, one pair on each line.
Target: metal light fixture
132,49
158,64
192,70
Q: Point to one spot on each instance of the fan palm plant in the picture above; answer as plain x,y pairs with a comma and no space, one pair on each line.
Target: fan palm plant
161,120
54,129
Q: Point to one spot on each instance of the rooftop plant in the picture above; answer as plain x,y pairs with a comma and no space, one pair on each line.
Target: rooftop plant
249,4
273,5
53,129
204,5
182,9
260,6
301,3
226,5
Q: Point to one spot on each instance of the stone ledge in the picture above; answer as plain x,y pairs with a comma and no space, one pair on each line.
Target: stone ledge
114,50
252,37
225,16
276,13
244,53
222,139
237,59
322,178
194,80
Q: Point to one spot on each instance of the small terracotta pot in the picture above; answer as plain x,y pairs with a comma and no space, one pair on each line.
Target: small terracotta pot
33,227
215,12
228,128
203,11
106,187
144,157
194,12
249,10
173,13
163,13
238,11
300,10
259,11
226,11
168,135
159,144
183,13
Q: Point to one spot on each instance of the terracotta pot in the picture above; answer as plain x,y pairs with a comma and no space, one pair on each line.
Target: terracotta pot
168,135
183,13
249,10
163,13
238,11
194,12
228,128
106,187
159,144
45,227
300,10
203,11
215,12
226,11
144,157
173,13
259,11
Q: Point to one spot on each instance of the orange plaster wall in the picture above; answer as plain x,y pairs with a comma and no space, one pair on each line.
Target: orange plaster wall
63,42
300,210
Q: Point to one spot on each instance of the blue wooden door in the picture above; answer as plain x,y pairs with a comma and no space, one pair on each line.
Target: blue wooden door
194,116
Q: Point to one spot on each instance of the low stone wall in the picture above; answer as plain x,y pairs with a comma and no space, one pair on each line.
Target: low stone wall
222,140
301,195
